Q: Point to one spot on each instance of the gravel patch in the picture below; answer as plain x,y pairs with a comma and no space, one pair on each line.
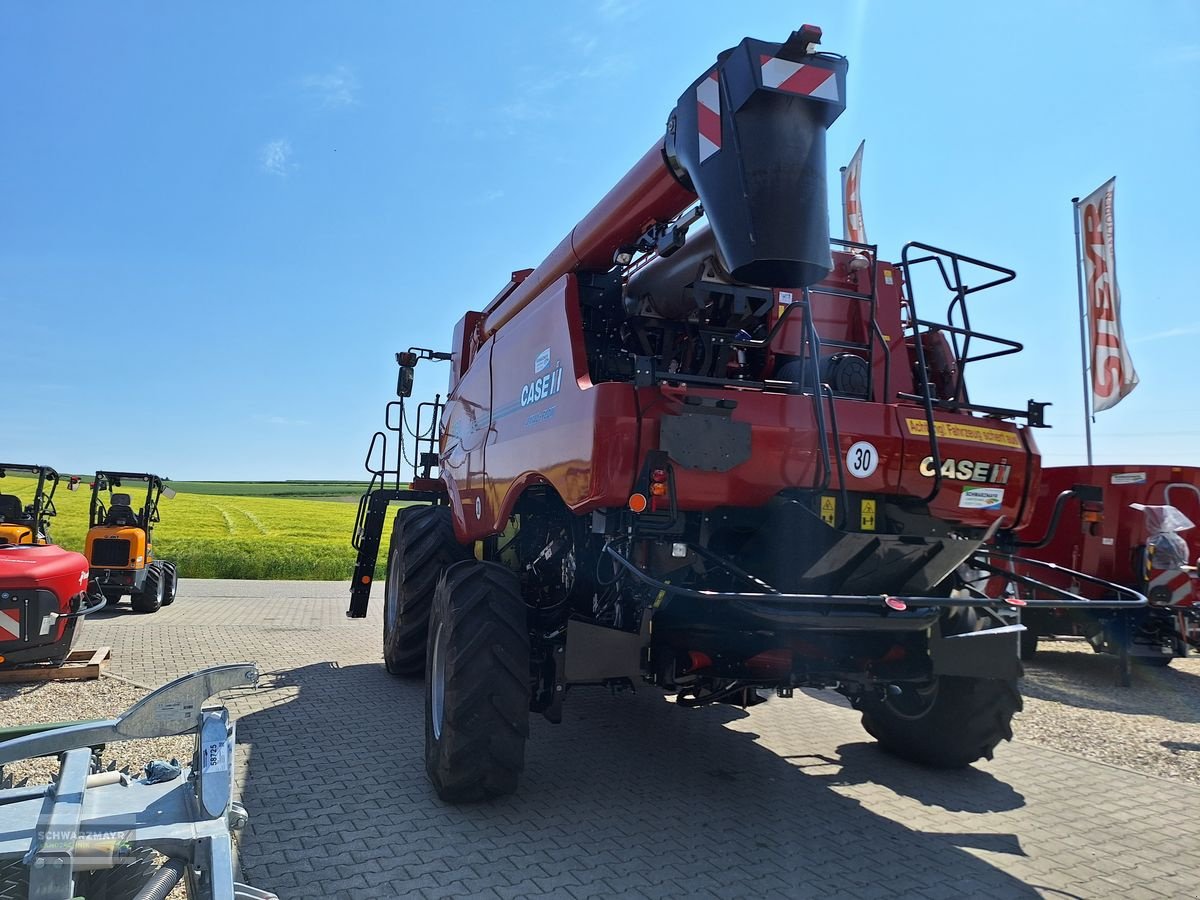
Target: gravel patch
61,701
1072,703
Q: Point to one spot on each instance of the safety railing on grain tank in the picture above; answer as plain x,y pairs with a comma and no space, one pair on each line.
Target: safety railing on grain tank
944,386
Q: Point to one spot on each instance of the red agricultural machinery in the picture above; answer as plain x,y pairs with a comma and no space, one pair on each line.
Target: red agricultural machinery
728,460
1133,525
43,588
43,593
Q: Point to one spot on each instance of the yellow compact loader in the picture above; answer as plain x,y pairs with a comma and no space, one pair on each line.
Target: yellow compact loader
29,523
119,541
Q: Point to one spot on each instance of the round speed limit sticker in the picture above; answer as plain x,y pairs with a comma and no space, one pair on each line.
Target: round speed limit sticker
862,459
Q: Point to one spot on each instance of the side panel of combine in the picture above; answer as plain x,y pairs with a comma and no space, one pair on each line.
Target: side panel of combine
984,467
466,431
549,424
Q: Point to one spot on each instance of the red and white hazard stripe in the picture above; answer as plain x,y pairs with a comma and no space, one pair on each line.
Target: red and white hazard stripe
798,78
708,115
10,622
1176,582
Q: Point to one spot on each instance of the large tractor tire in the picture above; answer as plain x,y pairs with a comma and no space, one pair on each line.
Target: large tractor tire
948,724
422,546
150,598
477,685
170,583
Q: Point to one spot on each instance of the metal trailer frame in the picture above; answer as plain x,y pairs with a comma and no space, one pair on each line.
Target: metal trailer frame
1118,624
88,820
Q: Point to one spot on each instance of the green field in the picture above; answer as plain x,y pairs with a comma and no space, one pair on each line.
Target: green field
234,529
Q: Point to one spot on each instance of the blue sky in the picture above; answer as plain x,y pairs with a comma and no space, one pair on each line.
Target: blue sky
219,221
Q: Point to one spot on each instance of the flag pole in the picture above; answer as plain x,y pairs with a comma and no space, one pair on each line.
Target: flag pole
1083,343
845,220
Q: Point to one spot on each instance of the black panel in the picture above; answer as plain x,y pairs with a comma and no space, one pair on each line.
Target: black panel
704,441
110,552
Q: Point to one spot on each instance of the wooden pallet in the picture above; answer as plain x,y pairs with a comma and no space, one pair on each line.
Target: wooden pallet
80,665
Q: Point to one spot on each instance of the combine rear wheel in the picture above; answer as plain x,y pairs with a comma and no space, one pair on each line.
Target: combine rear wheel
150,598
477,685
423,545
950,723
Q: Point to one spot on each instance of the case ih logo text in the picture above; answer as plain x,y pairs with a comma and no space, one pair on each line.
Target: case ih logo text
1106,352
541,388
968,470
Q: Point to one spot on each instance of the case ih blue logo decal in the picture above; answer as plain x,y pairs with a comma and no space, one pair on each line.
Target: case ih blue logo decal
541,388
542,363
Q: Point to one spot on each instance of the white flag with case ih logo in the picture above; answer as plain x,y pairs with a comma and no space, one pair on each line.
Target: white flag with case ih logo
855,230
1113,375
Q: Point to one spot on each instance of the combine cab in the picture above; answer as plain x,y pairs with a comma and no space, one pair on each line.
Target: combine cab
727,459
119,540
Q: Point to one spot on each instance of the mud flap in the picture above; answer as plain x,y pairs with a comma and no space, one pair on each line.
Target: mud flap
991,653
597,654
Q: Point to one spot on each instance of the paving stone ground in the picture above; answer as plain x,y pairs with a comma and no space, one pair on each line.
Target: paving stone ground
631,795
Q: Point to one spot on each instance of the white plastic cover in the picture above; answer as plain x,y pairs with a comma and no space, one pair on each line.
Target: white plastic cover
1163,519
1165,548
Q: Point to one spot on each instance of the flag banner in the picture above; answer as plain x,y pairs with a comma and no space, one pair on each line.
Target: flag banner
853,229
1113,375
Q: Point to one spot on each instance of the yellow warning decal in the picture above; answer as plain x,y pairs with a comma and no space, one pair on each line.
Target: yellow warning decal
828,510
959,432
867,515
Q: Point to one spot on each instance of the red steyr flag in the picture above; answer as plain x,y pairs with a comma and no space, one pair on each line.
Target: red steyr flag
1113,375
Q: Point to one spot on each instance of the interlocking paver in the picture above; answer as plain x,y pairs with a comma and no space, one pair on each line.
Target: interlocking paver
630,795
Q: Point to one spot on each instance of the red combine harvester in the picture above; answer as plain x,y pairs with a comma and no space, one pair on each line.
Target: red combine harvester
723,460
1109,534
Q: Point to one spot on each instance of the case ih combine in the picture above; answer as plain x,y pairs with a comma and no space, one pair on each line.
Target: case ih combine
1111,522
725,460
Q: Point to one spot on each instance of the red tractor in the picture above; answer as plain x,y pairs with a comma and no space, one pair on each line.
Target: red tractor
728,461
1138,526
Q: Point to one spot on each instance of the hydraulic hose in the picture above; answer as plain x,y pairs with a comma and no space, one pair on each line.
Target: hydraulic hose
163,881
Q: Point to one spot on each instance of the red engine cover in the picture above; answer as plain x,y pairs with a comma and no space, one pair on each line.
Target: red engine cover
63,572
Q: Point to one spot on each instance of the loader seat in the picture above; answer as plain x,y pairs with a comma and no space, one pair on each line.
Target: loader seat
120,512
11,509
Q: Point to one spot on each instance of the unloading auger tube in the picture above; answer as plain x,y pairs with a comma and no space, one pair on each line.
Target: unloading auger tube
746,139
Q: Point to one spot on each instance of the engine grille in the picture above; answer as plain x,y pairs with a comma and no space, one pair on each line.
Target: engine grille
110,552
